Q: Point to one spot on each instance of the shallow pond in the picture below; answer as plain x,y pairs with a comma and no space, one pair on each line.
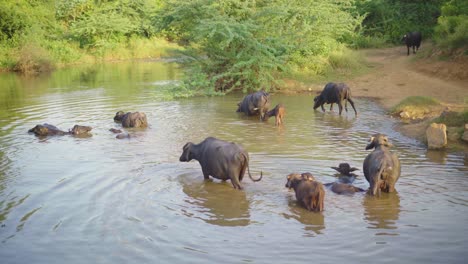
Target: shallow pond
103,200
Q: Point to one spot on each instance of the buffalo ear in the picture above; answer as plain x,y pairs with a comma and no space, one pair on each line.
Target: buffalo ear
370,145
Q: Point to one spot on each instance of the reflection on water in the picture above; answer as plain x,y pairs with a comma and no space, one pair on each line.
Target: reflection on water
313,222
382,212
437,156
216,202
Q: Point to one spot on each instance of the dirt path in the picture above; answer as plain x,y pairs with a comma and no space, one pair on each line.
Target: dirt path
398,76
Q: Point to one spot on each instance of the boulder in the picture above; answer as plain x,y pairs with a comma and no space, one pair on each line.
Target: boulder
436,136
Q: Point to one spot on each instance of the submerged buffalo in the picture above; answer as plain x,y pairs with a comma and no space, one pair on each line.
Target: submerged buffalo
255,104
219,159
412,40
309,192
334,93
381,167
129,119
278,112
343,188
51,130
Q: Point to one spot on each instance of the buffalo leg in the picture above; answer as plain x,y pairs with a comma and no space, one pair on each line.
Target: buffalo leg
235,183
352,104
323,108
340,106
331,107
206,175
408,51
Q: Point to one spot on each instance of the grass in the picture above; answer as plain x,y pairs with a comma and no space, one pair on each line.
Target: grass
453,119
340,65
415,103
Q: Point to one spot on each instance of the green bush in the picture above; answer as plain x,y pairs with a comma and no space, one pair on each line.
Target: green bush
242,45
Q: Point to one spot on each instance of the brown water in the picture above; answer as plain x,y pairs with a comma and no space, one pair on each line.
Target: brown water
103,200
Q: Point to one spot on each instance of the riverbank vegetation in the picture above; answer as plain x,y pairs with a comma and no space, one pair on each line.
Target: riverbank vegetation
225,45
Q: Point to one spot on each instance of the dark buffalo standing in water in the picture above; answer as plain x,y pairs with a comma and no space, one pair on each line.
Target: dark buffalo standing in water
334,93
221,159
254,104
412,40
381,167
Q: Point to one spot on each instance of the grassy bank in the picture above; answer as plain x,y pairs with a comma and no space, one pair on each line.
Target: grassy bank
34,57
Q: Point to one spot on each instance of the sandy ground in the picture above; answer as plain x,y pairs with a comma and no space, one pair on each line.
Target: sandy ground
397,76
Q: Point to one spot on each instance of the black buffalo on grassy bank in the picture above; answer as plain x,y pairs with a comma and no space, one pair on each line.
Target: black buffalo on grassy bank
381,167
412,40
221,159
334,93
256,103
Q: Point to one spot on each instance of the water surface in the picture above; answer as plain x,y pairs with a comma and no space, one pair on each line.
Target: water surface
103,200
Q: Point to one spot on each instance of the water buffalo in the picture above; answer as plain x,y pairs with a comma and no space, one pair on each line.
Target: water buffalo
345,169
80,130
254,104
221,159
343,188
136,119
412,40
51,130
309,192
381,167
278,112
334,93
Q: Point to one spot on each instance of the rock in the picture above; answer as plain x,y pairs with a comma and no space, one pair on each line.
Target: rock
436,136
405,114
465,134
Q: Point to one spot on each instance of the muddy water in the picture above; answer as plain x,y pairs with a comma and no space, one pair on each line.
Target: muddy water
103,200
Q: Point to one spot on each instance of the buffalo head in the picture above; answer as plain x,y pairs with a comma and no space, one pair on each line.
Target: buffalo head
318,101
378,140
119,116
187,152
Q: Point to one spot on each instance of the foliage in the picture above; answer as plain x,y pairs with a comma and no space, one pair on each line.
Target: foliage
76,28
451,31
391,19
241,44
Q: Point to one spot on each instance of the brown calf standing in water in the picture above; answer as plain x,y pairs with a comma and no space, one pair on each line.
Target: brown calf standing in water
278,112
309,193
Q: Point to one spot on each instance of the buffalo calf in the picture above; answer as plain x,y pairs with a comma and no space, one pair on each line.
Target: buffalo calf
278,112
309,192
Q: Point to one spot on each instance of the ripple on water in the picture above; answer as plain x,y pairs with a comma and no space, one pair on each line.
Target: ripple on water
133,200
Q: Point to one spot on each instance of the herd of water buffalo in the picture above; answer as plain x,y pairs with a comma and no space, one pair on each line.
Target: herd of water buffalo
229,161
